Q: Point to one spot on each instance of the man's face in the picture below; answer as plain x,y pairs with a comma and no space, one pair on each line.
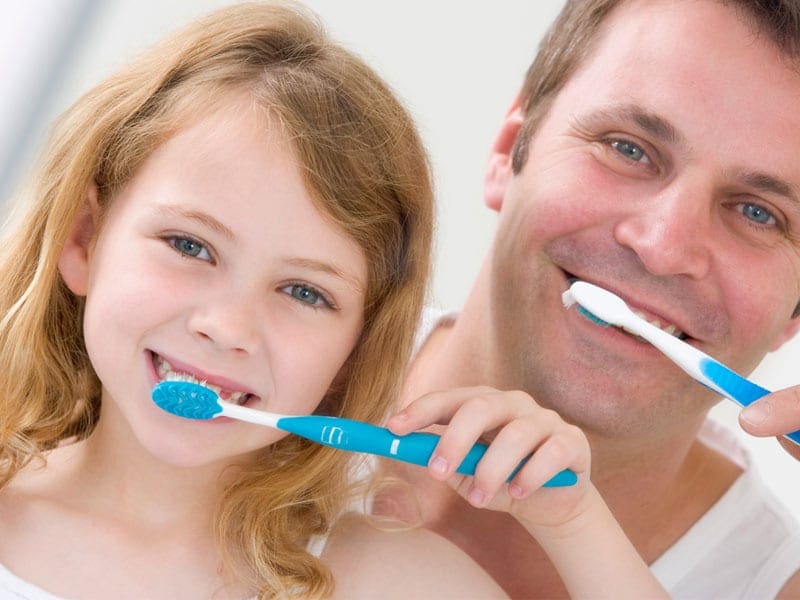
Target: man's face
666,171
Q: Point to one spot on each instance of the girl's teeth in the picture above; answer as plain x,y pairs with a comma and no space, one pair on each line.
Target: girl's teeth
165,372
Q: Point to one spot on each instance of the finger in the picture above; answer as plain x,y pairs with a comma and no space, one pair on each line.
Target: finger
432,408
512,444
776,414
439,407
477,415
567,450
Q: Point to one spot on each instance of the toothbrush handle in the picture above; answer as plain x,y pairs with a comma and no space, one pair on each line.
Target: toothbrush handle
415,448
742,391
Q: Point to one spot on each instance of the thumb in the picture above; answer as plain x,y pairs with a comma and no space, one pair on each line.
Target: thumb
775,414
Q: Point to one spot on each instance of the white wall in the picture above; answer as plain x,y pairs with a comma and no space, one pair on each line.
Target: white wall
456,65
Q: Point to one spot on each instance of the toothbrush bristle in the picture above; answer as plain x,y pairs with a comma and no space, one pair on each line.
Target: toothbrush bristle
186,399
592,317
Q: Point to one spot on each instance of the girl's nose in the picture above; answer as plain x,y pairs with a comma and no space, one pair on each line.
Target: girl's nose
229,323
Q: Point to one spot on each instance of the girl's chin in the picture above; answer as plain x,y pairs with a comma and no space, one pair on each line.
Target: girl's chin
193,451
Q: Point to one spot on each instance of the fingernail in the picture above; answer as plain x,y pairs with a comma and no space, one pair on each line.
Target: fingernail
439,465
757,413
515,491
401,416
476,497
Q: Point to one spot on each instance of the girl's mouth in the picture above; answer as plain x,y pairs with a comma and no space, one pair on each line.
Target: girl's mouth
166,372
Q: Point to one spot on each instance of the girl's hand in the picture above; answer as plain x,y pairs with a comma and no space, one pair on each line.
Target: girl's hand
775,414
514,426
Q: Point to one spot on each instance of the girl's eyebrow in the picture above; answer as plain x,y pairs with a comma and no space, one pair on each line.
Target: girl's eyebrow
199,216
215,225
325,267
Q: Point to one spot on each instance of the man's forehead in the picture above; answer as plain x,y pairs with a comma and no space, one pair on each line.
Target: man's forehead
655,65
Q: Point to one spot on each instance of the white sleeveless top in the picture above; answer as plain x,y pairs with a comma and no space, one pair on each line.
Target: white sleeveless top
14,588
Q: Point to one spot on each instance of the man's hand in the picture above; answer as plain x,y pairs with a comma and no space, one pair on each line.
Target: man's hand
775,414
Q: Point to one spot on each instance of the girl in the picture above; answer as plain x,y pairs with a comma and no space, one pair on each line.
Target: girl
248,205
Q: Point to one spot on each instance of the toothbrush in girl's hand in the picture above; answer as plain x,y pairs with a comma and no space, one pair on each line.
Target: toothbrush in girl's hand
605,308
194,401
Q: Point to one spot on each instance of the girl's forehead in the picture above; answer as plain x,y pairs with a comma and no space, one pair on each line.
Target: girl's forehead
232,169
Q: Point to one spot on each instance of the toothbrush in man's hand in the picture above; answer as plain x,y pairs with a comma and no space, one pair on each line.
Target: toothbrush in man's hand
607,309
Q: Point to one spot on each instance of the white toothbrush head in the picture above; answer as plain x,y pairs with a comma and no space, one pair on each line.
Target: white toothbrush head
600,306
605,308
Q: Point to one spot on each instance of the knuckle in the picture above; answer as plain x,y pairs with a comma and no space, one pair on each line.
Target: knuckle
796,398
549,418
518,432
576,433
522,398
480,404
559,450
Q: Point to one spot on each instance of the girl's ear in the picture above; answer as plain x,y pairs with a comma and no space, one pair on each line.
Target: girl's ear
73,262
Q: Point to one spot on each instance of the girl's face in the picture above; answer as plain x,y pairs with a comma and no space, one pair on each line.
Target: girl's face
214,261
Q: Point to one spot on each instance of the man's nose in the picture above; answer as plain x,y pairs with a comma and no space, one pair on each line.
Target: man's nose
671,233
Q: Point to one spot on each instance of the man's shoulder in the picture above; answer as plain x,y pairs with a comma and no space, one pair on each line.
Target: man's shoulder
791,589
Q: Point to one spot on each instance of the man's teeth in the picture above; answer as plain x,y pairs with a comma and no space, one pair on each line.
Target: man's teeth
166,373
670,329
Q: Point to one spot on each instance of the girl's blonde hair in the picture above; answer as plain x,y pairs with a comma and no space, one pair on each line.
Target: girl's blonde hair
365,167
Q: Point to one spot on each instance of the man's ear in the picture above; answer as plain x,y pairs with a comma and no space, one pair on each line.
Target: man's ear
788,332
498,171
73,262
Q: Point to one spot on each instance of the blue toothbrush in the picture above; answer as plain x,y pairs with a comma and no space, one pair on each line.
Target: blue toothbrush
605,308
194,401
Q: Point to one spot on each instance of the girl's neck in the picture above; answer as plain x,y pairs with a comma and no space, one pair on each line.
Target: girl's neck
134,486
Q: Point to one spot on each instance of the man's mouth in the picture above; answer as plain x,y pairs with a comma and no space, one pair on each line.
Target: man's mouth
669,328
166,372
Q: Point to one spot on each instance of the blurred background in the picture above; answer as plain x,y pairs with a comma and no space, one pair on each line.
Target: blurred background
456,70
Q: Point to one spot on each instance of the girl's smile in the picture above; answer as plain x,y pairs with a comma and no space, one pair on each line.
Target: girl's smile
226,389
215,263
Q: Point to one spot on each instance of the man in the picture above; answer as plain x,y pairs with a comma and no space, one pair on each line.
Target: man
653,151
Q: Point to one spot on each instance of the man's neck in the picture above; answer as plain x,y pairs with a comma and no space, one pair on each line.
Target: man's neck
656,488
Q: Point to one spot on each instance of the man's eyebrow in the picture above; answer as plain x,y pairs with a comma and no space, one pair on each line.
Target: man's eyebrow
653,124
770,184
199,216
330,269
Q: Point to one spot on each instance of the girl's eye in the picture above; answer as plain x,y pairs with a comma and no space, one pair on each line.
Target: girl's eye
307,295
756,214
630,151
189,247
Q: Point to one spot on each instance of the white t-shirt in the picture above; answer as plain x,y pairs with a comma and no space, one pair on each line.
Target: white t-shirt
746,546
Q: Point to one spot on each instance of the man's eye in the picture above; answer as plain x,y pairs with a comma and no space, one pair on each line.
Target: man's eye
757,214
307,295
630,151
190,247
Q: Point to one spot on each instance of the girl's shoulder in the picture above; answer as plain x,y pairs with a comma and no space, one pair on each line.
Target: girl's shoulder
33,502
368,557
43,478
